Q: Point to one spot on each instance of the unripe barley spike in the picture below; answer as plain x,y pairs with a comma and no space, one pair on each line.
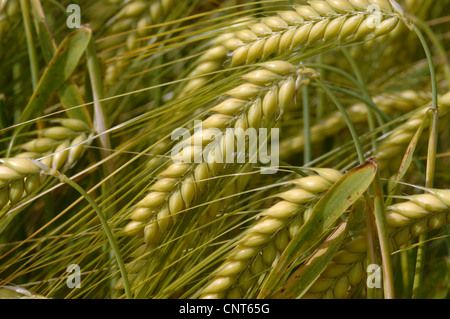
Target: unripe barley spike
181,185
318,25
268,235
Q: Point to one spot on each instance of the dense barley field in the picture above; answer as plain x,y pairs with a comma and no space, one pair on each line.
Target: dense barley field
233,149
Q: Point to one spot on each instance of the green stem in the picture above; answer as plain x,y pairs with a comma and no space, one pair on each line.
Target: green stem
431,163
357,96
431,66
365,93
320,94
306,125
383,238
347,119
372,293
69,94
438,45
32,55
108,232
95,76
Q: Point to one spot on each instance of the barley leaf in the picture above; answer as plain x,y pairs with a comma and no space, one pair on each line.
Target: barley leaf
303,278
69,93
325,213
408,157
58,71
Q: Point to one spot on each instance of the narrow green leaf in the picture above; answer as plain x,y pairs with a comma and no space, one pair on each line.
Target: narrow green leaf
69,93
70,97
46,40
408,157
58,71
325,213
305,276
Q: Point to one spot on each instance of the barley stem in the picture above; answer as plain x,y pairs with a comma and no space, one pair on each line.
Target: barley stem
431,162
383,238
32,55
438,45
321,94
293,168
365,94
347,119
107,230
348,76
306,125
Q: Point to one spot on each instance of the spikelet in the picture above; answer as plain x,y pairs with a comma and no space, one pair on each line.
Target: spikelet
268,236
419,214
320,24
61,147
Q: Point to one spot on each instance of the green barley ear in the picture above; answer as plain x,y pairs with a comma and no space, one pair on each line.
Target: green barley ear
266,93
305,30
255,104
267,237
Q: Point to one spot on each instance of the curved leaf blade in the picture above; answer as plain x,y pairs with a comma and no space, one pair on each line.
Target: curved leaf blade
58,71
328,209
305,276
